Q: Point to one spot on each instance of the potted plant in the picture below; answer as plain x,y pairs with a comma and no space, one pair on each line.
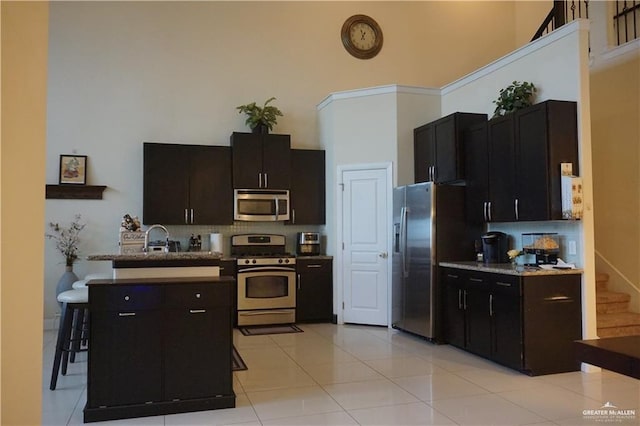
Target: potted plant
260,119
67,240
513,97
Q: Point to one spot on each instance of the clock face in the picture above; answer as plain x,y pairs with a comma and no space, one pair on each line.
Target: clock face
362,36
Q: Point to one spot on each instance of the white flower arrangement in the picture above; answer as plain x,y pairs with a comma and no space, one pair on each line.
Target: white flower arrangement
513,253
67,239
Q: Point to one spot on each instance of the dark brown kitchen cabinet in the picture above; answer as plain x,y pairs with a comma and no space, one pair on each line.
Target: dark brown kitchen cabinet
513,165
510,319
307,187
228,269
187,184
314,295
546,135
261,161
438,148
170,337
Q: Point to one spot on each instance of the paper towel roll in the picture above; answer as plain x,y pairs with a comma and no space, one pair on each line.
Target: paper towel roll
215,243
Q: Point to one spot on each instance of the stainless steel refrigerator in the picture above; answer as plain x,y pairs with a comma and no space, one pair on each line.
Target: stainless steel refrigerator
428,227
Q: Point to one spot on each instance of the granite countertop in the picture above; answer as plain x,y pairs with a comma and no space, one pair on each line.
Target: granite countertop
182,255
508,269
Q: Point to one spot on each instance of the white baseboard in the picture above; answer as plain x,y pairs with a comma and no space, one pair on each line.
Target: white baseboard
52,323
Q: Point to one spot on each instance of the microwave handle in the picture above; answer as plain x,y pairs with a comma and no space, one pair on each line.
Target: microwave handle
277,206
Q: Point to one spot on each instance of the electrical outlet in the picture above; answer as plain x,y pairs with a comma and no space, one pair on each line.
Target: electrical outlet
572,249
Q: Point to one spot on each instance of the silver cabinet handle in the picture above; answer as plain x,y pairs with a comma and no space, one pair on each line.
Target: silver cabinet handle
299,279
126,314
484,211
516,208
315,265
191,216
489,211
491,305
259,180
293,216
197,311
266,180
452,276
503,284
459,298
434,174
186,216
464,300
556,298
477,280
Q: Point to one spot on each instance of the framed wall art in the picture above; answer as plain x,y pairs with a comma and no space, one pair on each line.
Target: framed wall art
73,169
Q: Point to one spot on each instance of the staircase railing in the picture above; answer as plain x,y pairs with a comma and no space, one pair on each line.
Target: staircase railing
561,13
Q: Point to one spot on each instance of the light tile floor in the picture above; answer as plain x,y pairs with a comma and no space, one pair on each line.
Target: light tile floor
362,375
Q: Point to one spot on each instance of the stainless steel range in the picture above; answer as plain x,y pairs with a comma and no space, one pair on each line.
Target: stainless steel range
266,279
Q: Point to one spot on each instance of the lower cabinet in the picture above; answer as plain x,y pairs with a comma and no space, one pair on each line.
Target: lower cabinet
314,294
159,348
514,320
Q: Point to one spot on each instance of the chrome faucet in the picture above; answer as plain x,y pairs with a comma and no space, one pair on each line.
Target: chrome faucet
146,238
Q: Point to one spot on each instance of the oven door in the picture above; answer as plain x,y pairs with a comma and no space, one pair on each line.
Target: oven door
261,205
267,287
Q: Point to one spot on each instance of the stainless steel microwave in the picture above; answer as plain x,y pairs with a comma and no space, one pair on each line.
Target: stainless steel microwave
261,205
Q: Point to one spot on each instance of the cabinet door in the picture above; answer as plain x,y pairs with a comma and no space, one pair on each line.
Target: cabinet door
506,316
448,168
307,187
166,184
314,296
546,136
125,345
454,307
210,190
197,350
478,320
246,160
501,169
276,161
477,173
424,152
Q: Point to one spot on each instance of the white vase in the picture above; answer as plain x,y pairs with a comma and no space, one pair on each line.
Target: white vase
66,281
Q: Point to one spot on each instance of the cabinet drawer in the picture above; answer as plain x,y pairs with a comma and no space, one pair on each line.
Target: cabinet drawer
198,295
506,284
125,297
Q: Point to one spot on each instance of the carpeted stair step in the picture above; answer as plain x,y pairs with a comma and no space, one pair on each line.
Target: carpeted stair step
602,280
618,324
609,302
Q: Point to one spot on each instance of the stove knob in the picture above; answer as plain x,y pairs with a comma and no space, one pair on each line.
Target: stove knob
254,261
279,260
286,261
246,262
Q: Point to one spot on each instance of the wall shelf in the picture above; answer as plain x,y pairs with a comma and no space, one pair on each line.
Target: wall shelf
74,192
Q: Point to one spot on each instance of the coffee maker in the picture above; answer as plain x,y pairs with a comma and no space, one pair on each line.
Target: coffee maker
494,247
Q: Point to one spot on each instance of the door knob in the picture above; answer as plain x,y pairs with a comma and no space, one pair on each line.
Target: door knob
383,255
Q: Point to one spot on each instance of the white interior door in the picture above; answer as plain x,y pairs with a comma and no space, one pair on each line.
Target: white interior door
365,223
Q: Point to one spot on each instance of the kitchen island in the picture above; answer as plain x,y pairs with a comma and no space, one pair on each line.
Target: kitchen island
159,346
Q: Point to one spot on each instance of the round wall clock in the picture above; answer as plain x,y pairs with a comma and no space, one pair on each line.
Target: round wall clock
361,36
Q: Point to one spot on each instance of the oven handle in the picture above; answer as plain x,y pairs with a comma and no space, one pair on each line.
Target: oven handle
265,268
253,313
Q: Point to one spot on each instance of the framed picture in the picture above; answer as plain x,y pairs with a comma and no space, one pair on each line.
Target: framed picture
73,169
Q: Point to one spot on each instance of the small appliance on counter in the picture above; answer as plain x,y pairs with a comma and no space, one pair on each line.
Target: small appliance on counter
308,244
544,245
495,247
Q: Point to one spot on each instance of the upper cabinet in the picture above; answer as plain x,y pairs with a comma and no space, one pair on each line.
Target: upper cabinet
307,187
261,161
187,184
438,148
513,163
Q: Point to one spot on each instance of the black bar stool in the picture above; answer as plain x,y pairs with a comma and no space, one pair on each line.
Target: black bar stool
75,303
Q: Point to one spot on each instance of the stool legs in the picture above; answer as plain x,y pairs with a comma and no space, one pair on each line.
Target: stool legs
64,334
73,329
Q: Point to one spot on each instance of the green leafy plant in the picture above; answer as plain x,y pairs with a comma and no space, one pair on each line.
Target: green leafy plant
265,115
513,97
67,239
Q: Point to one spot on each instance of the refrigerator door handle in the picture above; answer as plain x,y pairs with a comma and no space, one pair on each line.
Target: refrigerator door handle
403,240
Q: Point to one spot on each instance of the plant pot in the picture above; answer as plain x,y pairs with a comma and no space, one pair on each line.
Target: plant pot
66,281
260,129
